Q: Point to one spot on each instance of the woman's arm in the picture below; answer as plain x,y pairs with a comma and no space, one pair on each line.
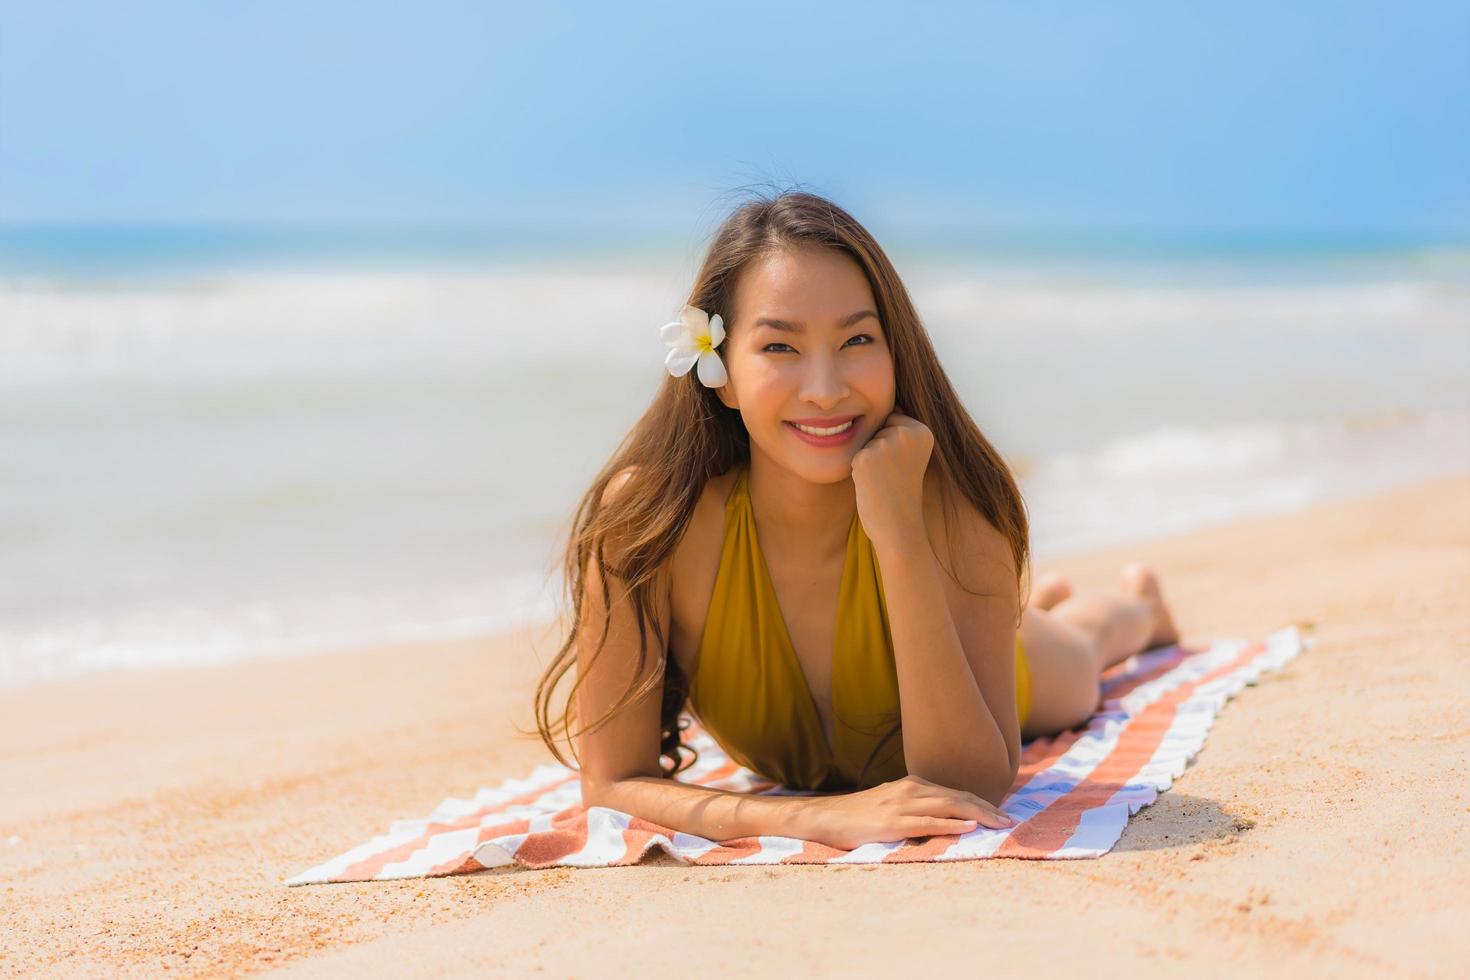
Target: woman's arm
620,760
711,813
907,807
951,736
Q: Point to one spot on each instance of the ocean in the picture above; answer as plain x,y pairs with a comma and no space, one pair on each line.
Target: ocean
215,448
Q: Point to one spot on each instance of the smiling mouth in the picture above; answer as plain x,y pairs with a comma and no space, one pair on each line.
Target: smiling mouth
830,430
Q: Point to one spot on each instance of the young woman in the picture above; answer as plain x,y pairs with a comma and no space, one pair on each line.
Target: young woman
807,542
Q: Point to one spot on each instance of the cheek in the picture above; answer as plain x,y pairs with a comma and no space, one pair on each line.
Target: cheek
763,394
875,378
761,380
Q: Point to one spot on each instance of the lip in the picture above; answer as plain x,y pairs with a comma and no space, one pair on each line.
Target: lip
841,438
825,423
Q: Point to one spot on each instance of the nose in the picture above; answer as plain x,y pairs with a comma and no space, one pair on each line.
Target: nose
822,383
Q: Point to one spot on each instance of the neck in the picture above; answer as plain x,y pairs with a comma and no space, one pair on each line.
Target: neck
809,519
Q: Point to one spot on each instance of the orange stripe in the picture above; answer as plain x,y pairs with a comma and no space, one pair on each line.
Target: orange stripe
462,865
1042,753
727,851
465,863
1047,752
635,840
570,832
813,852
926,850
567,835
369,868
1125,688
1049,830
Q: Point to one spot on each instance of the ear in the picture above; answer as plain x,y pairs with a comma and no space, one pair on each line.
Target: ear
726,392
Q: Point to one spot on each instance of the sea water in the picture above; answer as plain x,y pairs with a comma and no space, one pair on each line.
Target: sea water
208,454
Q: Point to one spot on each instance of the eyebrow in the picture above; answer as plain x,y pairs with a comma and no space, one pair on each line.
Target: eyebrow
847,321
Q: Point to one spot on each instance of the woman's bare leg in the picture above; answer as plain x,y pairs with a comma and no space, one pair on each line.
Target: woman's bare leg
1139,580
1119,625
1069,644
1051,590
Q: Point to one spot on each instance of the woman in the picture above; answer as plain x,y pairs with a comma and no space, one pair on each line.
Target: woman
808,543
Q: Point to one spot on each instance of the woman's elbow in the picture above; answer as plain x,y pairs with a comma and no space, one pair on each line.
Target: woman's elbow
996,786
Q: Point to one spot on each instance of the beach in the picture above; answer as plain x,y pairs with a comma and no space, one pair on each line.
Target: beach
152,814
311,375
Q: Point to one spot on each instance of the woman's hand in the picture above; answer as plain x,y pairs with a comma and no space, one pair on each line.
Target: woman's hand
907,807
888,473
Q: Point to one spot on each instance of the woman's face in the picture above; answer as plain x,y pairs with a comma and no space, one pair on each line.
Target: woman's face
808,347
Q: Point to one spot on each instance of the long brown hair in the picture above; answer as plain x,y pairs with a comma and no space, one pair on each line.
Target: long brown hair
688,436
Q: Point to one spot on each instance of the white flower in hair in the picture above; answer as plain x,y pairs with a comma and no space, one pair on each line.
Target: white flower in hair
692,340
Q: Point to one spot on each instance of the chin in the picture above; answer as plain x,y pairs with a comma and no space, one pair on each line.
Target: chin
831,470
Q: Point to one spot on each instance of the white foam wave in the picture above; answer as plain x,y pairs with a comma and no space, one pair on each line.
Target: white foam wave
182,634
1173,479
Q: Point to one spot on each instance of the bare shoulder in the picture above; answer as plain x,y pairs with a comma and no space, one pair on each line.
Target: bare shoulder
616,539
690,569
712,496
619,480
960,532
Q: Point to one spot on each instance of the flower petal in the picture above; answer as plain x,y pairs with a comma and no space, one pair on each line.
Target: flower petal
680,360
674,333
695,319
716,330
712,370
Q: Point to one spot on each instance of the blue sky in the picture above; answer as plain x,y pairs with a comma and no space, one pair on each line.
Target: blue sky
1317,117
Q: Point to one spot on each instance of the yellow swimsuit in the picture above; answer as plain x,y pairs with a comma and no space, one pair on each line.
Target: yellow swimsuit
749,690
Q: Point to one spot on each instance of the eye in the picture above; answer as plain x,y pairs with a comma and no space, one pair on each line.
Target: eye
778,343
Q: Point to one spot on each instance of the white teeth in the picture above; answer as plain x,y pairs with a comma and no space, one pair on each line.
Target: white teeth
825,432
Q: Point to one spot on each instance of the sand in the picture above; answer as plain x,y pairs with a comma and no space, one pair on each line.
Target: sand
149,817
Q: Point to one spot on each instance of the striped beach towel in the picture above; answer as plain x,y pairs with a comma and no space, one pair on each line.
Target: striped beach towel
1073,795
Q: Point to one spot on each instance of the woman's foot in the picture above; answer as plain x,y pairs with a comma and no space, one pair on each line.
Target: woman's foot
1051,590
1140,581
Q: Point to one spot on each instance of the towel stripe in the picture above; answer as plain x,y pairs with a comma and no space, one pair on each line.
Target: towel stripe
1050,829
1073,794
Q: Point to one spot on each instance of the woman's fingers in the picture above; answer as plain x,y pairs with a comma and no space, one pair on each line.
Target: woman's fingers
934,826
995,819
961,806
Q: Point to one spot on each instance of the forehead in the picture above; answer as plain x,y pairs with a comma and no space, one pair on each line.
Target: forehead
814,285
